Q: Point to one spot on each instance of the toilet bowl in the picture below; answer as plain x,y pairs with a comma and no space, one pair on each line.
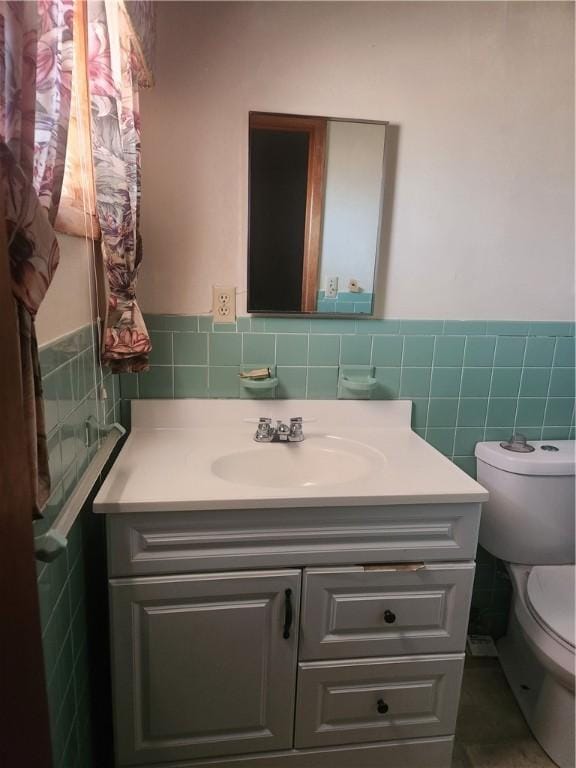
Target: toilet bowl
529,523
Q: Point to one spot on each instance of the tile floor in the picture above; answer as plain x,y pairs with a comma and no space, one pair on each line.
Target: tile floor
491,731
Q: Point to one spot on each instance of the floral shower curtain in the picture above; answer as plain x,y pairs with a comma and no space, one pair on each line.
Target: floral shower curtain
117,68
35,78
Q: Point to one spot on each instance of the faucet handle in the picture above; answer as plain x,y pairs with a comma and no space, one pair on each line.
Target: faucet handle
264,432
296,434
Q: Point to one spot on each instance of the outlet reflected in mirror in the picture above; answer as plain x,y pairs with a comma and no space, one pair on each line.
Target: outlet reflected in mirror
316,188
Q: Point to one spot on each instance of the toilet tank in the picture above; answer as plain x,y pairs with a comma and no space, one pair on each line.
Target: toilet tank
529,517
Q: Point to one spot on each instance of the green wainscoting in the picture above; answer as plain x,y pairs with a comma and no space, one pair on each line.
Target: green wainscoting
72,589
468,380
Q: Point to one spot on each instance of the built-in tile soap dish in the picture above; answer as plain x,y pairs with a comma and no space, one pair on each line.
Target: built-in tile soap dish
259,381
356,383
260,384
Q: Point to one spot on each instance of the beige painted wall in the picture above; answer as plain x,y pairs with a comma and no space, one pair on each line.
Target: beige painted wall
483,94
66,306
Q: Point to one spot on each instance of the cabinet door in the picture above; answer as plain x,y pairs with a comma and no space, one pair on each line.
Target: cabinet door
204,665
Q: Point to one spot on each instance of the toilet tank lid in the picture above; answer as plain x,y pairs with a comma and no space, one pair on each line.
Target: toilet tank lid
550,591
544,460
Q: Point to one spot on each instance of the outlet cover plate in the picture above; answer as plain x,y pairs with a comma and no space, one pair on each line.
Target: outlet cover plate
223,304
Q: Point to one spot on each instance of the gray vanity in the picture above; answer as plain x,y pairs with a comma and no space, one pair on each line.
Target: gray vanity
286,624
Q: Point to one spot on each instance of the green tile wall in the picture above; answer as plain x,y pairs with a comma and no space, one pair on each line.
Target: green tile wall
469,381
71,619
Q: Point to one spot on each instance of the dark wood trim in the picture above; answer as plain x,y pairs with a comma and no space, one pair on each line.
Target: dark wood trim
314,215
315,127
25,729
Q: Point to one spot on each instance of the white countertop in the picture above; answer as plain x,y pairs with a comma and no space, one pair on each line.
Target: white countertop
165,464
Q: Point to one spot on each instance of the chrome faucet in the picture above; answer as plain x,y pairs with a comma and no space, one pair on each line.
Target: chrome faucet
292,433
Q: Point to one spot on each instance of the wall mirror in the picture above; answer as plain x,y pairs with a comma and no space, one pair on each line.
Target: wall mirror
316,187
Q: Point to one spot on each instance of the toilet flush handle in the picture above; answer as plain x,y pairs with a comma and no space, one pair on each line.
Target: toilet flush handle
518,444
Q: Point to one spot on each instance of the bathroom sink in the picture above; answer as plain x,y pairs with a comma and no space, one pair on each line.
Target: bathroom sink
319,461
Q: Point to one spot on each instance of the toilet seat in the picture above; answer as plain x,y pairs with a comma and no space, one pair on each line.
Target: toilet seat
555,654
550,599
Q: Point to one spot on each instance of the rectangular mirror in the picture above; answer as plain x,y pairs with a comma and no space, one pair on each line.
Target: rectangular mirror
315,206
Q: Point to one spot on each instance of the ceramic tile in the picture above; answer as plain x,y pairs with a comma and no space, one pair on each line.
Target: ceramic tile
388,382
161,348
419,412
531,411
562,382
479,351
509,352
472,412
449,351
322,383
387,350
466,439
324,350
441,438
258,348
559,412
377,326
539,352
224,327
291,382
415,382
505,382
442,412
191,348
464,328
476,382
225,348
157,382
291,349
501,412
289,325
355,350
191,381
534,382
445,382
422,327
418,351
224,381
564,354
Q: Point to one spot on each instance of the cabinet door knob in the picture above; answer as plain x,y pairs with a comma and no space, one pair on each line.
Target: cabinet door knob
389,617
382,707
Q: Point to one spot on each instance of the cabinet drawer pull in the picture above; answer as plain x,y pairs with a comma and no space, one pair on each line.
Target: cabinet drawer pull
287,613
389,617
382,707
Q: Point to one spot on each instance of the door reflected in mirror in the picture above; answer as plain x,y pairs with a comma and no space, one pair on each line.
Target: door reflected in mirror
316,188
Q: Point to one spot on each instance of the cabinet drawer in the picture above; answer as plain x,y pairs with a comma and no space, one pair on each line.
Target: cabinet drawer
146,544
355,701
358,611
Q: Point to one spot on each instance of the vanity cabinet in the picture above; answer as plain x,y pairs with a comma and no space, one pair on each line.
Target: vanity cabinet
204,664
334,639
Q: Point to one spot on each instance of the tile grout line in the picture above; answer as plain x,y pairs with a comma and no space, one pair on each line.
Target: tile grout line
523,366
490,389
548,390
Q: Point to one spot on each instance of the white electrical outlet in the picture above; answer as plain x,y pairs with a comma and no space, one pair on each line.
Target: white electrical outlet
223,304
331,288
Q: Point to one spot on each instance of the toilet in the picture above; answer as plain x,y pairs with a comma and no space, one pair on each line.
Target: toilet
529,524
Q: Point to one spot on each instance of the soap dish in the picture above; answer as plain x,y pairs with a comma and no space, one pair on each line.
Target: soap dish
356,383
364,384
263,385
